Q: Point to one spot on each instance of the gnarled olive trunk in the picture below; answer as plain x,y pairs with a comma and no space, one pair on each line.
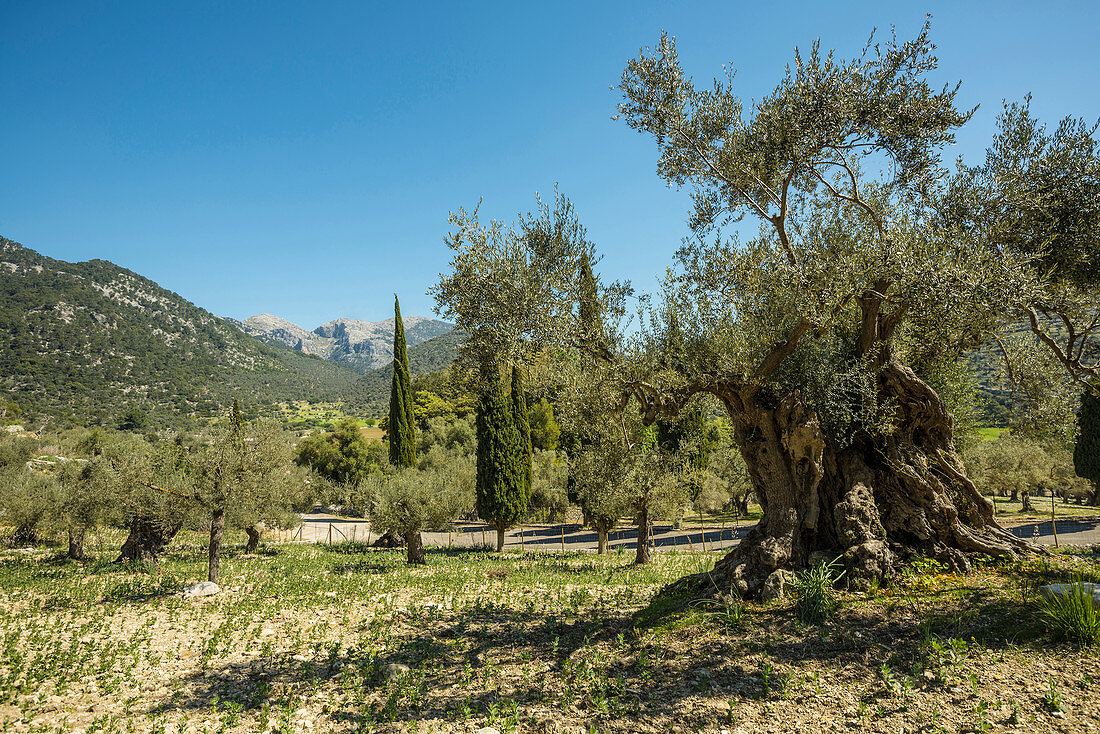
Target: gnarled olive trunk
869,504
253,539
601,540
415,554
76,542
147,539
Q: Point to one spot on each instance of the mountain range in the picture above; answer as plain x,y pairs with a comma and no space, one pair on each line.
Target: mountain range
360,345
86,341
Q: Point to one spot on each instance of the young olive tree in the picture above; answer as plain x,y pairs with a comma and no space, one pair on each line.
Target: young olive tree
600,471
242,477
410,501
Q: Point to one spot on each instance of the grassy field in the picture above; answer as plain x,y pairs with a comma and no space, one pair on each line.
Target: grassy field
342,638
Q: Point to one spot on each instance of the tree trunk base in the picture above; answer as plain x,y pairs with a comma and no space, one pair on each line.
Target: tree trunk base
147,540
253,539
415,555
389,540
76,543
869,507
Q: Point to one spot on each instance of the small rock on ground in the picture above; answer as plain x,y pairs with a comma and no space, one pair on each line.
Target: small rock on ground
203,588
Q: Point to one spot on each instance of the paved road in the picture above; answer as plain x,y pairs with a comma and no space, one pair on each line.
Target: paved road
323,528
1071,531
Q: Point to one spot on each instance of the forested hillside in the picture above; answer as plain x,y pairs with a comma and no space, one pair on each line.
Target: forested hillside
85,341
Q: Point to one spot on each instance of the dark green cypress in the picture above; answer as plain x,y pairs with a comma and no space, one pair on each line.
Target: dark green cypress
1086,453
401,429
236,420
523,428
501,501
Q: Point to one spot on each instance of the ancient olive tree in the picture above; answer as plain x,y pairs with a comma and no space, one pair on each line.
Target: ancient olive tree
825,334
1086,450
151,485
822,334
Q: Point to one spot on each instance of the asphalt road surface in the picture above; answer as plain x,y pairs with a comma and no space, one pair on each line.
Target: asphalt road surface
319,527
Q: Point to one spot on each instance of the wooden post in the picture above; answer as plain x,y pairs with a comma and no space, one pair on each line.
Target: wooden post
522,547
449,537
1052,525
563,538
330,533
703,531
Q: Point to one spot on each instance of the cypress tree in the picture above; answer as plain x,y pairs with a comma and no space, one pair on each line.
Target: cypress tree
1086,453
236,420
401,429
501,501
523,428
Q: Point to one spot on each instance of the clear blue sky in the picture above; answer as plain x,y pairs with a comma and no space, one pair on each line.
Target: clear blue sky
301,158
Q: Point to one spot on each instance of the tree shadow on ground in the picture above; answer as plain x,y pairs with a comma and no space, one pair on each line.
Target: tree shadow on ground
589,664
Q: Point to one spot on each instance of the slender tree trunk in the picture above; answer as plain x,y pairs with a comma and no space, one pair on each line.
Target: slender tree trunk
601,540
147,540
253,539
641,551
217,532
415,555
870,504
500,539
1095,501
76,542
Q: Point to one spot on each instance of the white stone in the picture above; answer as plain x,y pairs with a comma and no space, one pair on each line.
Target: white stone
1063,590
394,670
203,588
487,730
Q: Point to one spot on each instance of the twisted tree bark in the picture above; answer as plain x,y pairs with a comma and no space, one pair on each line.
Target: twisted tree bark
870,504
147,539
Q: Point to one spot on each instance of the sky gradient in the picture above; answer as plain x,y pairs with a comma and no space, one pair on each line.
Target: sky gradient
301,159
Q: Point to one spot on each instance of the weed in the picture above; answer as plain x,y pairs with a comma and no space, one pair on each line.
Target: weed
1072,616
1052,699
816,599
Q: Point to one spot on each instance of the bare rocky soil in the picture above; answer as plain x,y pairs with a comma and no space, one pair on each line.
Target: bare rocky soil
309,638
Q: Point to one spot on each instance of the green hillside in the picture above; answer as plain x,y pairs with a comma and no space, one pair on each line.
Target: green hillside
85,341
